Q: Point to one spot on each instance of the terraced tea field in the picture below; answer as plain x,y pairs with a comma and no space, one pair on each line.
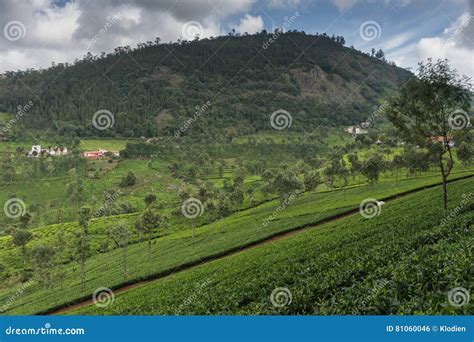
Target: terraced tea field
176,250
403,261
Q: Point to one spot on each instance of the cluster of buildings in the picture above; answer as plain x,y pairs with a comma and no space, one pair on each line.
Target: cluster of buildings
440,139
358,129
37,151
99,154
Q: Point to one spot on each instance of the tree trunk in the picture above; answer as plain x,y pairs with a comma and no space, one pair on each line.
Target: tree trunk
444,187
445,192
23,253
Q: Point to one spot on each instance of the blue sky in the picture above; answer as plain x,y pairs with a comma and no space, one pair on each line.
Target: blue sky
407,30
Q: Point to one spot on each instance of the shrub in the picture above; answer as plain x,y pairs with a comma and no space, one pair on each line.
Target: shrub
128,180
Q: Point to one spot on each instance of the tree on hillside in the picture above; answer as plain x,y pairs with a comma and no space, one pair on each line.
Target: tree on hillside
311,180
429,106
120,235
336,167
8,171
20,238
43,262
60,243
220,169
465,153
25,220
82,243
372,167
148,223
284,183
75,187
224,205
355,164
128,180
416,160
397,164
150,199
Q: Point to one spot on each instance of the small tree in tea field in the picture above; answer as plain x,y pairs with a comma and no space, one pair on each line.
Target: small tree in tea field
43,261
82,242
120,235
430,109
148,223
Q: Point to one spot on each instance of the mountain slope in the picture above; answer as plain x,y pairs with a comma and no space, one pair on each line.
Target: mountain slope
156,88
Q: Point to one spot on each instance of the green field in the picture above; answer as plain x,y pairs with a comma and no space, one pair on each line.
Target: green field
355,265
113,145
176,249
43,186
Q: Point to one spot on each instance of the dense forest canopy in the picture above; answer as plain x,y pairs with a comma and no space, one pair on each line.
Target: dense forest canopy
155,88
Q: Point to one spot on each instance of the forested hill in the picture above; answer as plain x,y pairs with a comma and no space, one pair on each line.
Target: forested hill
155,88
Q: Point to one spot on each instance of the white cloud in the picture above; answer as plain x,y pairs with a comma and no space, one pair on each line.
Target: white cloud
249,24
344,4
460,23
460,57
454,44
397,40
64,33
283,3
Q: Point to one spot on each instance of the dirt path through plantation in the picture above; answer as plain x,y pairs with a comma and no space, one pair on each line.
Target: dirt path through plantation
269,239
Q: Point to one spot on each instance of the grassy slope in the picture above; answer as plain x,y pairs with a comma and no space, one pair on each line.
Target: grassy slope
86,144
333,269
49,193
177,249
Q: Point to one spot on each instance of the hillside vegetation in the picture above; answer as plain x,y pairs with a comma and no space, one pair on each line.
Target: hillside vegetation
176,249
403,261
157,87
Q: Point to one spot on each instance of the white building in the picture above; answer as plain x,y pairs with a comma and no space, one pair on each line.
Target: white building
356,130
36,151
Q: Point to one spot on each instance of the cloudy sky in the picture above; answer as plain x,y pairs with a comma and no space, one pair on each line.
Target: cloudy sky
35,33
